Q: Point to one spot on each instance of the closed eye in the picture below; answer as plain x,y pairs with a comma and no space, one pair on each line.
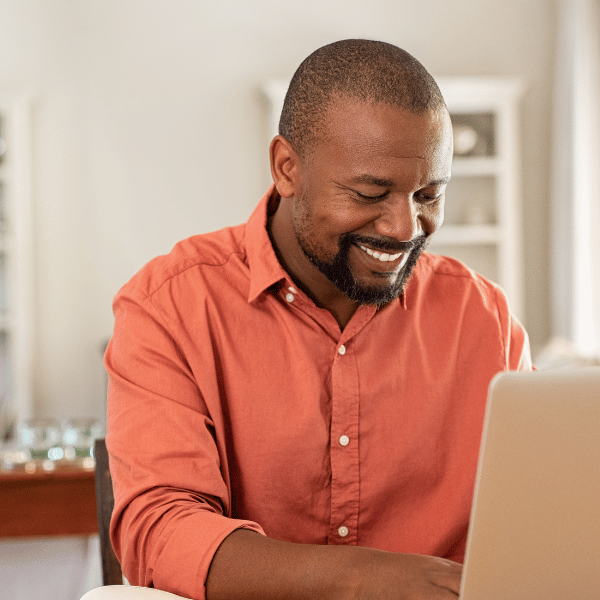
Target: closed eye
427,198
371,198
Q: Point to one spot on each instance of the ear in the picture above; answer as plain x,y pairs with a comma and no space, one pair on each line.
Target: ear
285,166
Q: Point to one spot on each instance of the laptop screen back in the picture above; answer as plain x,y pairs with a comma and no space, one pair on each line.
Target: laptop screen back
535,520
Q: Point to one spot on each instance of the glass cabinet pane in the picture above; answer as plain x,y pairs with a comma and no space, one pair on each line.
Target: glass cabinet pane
3,290
471,201
2,210
6,416
474,134
2,140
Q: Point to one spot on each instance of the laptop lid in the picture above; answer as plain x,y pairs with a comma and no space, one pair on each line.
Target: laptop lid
535,520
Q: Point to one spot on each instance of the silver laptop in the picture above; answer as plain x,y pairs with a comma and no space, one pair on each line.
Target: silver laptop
535,521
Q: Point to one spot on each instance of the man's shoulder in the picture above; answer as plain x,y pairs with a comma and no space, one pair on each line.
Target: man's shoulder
438,269
196,253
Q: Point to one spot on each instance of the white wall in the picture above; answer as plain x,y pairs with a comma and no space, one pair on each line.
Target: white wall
54,568
148,127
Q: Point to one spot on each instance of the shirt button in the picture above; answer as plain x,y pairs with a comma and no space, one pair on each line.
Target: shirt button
289,297
343,531
342,350
344,440
293,290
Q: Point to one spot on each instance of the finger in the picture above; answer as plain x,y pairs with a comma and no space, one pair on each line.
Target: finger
448,581
448,564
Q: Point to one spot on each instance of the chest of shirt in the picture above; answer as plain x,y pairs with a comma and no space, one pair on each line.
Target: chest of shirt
279,373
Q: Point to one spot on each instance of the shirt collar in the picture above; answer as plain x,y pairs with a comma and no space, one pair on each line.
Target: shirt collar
265,268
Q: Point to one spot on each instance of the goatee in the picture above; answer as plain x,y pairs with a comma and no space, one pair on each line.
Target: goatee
339,273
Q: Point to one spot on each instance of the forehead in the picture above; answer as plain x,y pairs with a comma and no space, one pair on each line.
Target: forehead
354,132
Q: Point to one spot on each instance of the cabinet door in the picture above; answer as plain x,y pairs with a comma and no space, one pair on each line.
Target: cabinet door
482,221
16,268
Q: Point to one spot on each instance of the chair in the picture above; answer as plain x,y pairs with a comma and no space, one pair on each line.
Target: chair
111,569
112,576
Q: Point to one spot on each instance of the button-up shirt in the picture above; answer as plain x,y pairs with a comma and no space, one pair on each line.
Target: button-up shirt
235,401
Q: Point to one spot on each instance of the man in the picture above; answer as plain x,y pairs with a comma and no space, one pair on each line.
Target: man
296,403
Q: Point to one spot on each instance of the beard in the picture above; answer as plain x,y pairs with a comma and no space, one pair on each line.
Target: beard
338,270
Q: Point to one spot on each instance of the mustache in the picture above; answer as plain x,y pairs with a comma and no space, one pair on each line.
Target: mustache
386,244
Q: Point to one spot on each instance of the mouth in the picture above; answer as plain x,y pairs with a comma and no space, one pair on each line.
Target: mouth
384,257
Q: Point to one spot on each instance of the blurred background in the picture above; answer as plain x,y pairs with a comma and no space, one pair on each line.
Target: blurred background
148,124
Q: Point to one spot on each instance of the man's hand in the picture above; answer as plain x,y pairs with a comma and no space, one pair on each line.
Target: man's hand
249,565
394,576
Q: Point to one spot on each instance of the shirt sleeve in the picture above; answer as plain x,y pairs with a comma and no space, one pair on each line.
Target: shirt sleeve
517,348
172,494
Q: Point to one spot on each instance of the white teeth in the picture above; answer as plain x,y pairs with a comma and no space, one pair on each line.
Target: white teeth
381,256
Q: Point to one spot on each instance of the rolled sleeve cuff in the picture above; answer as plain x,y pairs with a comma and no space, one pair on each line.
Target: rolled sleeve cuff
183,565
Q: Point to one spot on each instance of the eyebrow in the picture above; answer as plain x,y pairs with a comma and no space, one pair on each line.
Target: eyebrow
372,180
442,181
379,181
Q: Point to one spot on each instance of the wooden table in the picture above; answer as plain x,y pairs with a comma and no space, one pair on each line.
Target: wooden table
43,503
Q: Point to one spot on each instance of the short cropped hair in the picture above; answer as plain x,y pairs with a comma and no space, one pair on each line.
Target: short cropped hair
365,70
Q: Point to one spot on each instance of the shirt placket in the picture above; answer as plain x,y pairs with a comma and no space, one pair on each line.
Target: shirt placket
345,472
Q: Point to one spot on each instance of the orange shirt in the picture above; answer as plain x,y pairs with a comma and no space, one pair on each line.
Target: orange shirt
234,401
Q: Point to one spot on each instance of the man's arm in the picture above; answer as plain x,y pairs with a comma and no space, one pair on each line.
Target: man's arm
172,500
167,527
248,565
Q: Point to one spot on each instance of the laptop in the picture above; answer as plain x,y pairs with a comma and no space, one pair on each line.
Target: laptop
535,520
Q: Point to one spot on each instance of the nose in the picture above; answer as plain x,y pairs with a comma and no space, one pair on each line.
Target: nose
400,218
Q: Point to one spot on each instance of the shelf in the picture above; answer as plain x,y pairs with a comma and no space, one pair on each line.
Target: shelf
41,504
466,235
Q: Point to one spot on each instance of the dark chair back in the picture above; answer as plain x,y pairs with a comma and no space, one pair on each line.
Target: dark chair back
111,569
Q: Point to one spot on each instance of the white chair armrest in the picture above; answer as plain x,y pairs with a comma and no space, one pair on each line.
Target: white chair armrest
125,592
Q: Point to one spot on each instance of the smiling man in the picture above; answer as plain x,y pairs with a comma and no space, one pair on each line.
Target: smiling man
359,204
296,403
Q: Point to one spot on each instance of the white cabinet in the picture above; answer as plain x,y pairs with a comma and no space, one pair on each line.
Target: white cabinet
16,260
483,207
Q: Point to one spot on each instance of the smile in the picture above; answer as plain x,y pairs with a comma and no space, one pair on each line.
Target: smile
384,256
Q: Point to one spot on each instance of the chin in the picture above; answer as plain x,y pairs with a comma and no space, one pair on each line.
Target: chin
379,295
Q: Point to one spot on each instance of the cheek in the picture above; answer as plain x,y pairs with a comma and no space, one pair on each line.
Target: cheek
346,218
439,214
312,230
342,215
433,216
301,217
328,219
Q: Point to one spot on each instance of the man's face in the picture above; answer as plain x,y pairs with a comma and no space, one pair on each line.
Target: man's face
371,191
